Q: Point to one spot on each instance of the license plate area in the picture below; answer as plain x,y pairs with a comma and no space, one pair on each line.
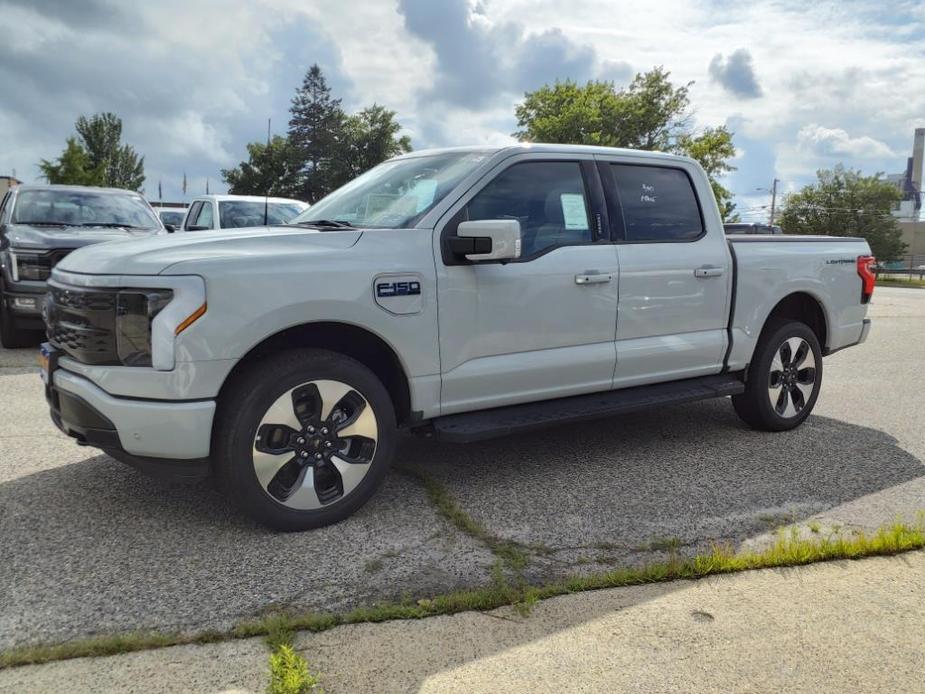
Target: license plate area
48,362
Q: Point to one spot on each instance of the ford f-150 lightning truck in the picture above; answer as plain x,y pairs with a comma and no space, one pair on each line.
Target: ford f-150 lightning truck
460,293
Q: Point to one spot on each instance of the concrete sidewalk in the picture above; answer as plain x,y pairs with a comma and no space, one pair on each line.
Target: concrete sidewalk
836,627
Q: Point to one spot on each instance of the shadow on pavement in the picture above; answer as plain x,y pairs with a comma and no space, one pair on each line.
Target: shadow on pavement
96,547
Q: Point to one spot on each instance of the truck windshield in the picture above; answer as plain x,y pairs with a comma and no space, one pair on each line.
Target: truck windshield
395,194
83,209
235,214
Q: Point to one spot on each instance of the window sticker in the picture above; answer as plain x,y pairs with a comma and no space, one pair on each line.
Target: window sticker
573,210
425,190
648,194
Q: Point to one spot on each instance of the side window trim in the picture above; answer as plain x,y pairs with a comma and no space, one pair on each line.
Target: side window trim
594,195
617,206
192,214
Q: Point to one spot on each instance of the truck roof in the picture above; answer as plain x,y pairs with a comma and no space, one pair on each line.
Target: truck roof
246,198
546,148
74,189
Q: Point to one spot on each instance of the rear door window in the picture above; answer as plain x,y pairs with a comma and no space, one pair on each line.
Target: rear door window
658,203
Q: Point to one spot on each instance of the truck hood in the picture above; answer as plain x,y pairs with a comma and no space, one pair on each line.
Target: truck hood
47,238
156,254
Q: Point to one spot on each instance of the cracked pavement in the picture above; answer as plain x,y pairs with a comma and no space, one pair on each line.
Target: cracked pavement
89,546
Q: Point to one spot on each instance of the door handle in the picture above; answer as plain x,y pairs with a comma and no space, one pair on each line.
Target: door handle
708,271
593,278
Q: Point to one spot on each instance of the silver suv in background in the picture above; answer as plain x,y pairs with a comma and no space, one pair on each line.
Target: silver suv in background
39,225
239,211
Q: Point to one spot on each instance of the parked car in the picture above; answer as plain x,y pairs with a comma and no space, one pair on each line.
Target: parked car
239,211
171,217
40,225
458,293
742,228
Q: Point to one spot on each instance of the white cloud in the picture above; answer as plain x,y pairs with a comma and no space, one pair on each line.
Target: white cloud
195,80
837,142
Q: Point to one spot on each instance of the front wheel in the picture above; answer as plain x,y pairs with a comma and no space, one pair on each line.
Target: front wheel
783,379
303,438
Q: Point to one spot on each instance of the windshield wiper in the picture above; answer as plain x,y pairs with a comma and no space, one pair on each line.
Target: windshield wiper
41,224
109,225
330,223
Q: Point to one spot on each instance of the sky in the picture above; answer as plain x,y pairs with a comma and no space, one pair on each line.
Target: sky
803,85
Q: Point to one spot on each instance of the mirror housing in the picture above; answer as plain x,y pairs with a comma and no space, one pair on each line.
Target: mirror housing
170,228
488,239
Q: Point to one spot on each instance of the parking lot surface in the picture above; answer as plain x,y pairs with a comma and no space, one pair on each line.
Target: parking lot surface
90,546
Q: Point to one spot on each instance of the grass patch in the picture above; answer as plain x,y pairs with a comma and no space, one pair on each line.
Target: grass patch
511,553
103,645
289,673
788,549
901,282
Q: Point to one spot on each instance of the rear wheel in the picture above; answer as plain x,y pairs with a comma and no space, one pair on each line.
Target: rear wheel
783,379
303,438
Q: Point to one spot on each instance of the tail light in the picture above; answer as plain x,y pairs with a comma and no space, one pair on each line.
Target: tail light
868,278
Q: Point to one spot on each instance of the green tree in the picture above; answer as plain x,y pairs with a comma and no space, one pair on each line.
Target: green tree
315,130
104,160
713,149
270,170
368,138
650,114
842,202
72,167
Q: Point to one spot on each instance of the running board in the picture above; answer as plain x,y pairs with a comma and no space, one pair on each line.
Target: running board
514,419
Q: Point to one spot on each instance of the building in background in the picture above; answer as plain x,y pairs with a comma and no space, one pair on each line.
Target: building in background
910,182
7,182
908,211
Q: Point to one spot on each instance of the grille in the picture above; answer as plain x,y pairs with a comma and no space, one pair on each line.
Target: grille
81,323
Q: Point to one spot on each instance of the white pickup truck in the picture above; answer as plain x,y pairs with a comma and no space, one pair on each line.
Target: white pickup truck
459,293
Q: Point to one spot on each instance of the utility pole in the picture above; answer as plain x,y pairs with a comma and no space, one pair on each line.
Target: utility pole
773,200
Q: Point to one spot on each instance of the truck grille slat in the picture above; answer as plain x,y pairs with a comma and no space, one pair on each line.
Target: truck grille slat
81,323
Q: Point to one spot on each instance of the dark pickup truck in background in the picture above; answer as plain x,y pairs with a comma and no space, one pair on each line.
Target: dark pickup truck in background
743,228
39,225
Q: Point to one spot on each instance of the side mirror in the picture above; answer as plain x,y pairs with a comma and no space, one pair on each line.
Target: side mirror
170,228
488,239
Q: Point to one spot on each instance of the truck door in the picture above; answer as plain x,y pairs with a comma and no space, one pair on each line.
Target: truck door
675,272
541,326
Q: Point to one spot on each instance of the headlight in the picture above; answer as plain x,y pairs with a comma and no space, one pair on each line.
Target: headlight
135,311
149,319
29,266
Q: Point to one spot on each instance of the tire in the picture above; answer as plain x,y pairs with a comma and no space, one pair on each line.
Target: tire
10,336
783,379
282,423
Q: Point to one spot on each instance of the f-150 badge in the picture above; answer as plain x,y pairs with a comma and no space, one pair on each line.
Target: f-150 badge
399,294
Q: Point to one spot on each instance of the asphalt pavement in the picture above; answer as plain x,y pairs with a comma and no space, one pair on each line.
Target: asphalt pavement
89,546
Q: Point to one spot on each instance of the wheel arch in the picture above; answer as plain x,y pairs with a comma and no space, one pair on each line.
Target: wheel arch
353,341
804,307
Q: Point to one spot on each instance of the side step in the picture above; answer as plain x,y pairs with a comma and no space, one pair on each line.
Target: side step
514,419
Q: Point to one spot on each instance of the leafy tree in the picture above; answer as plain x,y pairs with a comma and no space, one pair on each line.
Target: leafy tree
368,138
269,170
842,202
72,167
104,161
315,130
713,149
650,114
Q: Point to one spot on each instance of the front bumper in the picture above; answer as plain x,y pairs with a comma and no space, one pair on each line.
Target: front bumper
144,433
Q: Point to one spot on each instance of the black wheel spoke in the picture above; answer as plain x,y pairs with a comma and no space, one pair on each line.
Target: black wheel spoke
307,404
